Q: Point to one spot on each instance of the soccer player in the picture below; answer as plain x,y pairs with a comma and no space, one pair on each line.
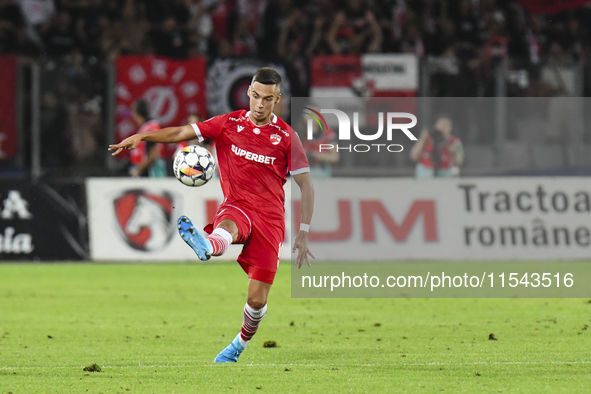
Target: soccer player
255,151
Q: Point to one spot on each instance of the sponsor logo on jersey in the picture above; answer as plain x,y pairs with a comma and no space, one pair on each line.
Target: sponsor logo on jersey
252,156
275,139
237,119
285,133
240,128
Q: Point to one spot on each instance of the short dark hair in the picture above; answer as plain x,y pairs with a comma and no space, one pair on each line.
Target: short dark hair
142,108
267,76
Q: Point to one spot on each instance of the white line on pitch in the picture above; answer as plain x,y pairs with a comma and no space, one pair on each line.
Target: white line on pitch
315,365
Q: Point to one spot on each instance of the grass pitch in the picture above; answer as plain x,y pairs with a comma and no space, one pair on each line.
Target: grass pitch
157,328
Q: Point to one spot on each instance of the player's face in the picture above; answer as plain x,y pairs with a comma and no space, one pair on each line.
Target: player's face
262,101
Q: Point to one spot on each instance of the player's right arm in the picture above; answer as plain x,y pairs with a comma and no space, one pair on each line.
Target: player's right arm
166,135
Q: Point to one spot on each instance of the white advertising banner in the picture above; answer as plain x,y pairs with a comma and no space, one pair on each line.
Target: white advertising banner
391,72
368,75
452,219
135,219
363,219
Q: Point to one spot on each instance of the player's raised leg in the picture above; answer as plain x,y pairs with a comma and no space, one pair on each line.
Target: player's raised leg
215,244
253,313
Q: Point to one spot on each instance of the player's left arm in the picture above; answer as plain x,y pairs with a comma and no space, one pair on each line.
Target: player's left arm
304,181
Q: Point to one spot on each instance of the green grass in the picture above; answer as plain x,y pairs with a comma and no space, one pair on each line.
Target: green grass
157,328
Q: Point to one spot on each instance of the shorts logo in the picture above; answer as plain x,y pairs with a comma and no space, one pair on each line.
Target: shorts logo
257,131
240,128
275,139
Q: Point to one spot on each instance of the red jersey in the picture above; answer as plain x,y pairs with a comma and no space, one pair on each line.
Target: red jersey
253,161
444,155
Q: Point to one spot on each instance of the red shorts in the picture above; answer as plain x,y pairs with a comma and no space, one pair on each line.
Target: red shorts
262,239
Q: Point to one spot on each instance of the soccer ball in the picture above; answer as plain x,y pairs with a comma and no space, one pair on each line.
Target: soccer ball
193,165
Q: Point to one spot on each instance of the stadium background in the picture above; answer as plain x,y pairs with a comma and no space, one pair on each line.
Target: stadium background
74,69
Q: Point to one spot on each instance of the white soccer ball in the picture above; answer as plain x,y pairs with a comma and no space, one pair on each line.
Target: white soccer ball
193,165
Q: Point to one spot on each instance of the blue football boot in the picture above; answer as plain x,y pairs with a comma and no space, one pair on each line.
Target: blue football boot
200,245
231,353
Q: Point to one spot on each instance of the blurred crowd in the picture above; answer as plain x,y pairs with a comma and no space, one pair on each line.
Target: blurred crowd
466,39
479,30
461,42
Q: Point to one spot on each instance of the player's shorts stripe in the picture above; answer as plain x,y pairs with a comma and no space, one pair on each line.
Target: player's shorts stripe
300,171
198,132
249,222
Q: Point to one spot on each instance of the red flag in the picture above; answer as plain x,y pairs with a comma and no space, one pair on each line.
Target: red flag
173,88
8,132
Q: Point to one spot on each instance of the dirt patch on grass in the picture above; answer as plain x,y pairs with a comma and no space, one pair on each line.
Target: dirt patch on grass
92,368
270,344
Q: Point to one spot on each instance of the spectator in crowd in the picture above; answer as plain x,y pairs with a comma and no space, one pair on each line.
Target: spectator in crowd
7,37
86,129
438,153
355,30
558,81
37,14
135,27
495,49
55,135
411,41
200,26
243,40
58,36
169,39
296,46
148,161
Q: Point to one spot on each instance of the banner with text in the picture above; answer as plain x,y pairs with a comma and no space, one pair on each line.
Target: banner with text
362,219
369,75
451,219
39,221
462,237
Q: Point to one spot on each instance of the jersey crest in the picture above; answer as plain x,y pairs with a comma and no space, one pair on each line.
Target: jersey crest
275,139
